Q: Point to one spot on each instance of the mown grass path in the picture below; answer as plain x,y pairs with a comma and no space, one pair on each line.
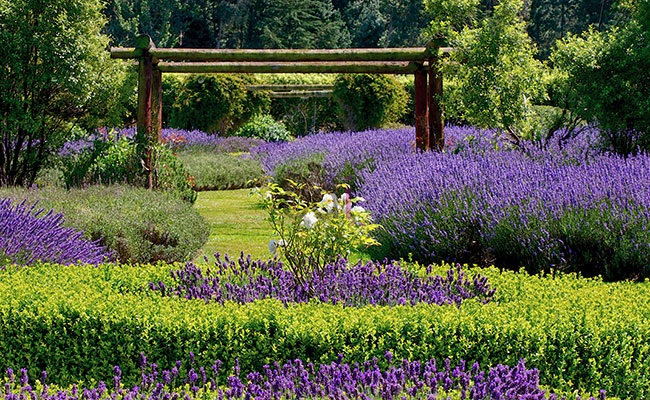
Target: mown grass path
236,224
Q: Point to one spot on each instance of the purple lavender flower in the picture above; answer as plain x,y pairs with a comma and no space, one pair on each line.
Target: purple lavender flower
28,234
376,283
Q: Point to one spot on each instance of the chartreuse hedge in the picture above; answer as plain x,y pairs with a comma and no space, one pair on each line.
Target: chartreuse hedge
78,322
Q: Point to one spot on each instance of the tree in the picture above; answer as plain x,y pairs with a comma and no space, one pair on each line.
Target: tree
551,20
296,24
494,77
56,75
384,23
605,79
162,20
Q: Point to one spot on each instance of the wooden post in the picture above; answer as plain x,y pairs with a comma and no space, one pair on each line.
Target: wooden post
421,111
436,120
145,97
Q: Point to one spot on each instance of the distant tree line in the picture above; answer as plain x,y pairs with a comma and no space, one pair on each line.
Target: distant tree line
324,23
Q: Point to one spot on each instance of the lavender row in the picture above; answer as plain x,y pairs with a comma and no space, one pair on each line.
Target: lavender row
345,154
375,283
299,380
516,210
176,138
28,234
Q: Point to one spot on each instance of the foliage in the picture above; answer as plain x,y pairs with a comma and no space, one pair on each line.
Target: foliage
495,77
583,335
111,157
220,171
216,103
264,127
310,234
303,116
605,79
384,23
138,225
552,20
482,203
29,234
324,159
374,283
369,101
56,75
304,380
158,19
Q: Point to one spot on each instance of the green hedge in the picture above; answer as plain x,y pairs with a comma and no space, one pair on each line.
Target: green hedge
139,225
78,322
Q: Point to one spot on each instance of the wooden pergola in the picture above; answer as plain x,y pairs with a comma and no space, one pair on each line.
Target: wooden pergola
422,62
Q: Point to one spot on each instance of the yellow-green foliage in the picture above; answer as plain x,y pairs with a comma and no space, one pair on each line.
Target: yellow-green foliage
78,322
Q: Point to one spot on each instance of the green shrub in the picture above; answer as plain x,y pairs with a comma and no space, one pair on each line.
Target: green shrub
78,322
216,103
116,161
220,171
264,127
139,225
311,235
369,101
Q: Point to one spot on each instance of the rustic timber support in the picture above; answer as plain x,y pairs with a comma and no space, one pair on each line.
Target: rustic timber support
436,119
423,62
421,110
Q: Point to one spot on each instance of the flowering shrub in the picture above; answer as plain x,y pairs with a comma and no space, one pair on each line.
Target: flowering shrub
562,203
504,208
297,379
311,235
385,283
28,234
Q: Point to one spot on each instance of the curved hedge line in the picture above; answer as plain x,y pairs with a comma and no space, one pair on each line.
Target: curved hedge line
78,322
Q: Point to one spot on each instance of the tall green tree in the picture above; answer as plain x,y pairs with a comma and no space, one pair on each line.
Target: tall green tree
605,78
384,23
551,20
296,24
163,20
56,74
494,75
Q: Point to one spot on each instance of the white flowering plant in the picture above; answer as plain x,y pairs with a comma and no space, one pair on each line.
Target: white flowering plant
311,235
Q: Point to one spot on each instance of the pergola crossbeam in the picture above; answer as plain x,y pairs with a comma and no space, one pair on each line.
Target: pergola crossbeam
420,61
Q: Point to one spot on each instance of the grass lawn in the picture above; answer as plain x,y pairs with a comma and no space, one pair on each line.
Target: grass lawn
236,224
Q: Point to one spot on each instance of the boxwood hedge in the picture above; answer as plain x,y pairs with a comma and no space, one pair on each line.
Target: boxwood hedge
78,322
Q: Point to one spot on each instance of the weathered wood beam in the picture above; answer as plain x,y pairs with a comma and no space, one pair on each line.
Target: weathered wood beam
125,52
289,55
293,67
421,111
436,119
277,88
301,93
238,55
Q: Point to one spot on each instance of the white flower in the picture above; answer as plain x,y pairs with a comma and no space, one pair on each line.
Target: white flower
357,209
346,203
274,244
328,202
309,220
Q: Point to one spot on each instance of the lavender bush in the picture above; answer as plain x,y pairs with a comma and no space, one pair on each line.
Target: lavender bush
177,139
564,203
504,208
303,380
385,283
28,234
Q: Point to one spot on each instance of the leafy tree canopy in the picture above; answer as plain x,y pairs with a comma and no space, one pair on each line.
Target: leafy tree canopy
55,75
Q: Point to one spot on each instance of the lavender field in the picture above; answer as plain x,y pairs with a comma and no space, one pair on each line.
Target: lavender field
562,205
415,328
